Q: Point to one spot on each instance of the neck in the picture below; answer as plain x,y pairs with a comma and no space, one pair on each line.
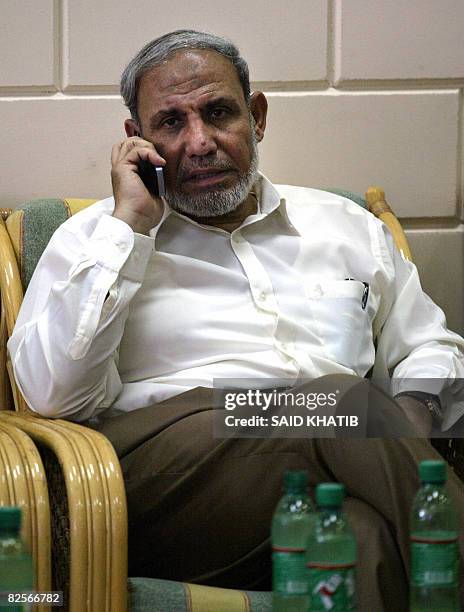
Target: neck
235,218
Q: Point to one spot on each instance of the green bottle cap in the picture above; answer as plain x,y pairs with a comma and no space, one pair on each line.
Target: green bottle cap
432,470
330,494
10,518
295,479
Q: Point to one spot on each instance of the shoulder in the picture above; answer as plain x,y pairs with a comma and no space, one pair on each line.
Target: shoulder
87,218
306,205
296,196
82,224
319,215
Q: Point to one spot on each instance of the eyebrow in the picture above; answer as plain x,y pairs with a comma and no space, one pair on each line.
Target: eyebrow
226,100
173,110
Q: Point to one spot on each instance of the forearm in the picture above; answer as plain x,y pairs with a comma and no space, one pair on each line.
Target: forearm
63,360
415,350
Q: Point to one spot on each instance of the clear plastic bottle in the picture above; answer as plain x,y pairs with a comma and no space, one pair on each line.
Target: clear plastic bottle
16,568
434,530
331,554
291,524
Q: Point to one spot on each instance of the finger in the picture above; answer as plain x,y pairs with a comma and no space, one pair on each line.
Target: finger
134,140
115,153
135,143
146,153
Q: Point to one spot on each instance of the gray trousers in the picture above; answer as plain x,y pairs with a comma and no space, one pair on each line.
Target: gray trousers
200,507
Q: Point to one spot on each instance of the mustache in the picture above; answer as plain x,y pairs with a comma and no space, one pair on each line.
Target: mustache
185,170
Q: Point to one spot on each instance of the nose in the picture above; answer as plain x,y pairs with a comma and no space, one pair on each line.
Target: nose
200,139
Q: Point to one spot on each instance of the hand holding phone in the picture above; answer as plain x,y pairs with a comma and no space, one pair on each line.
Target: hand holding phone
152,177
137,203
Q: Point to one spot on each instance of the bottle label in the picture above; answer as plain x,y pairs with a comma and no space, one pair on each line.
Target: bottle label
331,587
289,572
434,563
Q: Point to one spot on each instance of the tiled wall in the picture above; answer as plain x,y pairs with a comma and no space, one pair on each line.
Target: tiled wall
360,91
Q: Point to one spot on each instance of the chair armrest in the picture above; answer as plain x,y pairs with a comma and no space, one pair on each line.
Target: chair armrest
96,510
375,198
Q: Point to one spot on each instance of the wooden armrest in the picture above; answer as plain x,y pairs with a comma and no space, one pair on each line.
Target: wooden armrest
375,198
97,509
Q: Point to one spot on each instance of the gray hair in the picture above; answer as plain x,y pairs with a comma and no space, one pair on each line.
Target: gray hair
159,49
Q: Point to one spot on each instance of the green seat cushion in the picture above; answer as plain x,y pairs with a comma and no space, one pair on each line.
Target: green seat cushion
153,595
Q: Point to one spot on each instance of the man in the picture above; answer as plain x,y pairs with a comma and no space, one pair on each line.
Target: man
139,304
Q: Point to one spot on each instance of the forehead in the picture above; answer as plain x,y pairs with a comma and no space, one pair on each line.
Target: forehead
189,75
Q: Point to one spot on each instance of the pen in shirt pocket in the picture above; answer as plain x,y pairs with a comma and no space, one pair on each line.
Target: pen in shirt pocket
365,295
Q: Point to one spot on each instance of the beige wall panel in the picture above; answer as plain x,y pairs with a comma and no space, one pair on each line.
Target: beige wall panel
280,41
439,256
66,147
405,142
26,43
398,39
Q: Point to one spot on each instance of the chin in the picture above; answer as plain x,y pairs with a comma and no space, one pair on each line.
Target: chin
210,203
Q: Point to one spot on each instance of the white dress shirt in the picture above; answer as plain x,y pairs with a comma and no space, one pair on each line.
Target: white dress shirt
117,319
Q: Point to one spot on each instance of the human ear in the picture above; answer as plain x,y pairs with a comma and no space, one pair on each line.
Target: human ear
258,107
132,128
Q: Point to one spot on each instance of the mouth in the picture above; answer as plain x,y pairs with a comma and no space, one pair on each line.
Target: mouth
207,176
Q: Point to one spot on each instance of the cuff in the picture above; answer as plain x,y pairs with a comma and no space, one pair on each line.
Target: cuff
114,244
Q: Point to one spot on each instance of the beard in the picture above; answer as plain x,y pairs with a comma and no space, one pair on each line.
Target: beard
216,201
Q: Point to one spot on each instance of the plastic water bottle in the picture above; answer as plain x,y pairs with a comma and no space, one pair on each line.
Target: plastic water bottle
331,554
434,544
16,569
291,524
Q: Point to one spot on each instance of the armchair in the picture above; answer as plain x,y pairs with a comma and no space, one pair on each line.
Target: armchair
86,488
89,517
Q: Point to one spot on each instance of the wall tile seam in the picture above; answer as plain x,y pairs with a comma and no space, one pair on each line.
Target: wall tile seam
404,83
377,86
21,94
426,225
58,28
355,85
333,92
58,97
331,42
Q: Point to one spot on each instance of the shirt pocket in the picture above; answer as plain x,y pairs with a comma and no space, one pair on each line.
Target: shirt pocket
341,319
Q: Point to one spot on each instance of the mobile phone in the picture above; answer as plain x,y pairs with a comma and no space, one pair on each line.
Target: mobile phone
152,177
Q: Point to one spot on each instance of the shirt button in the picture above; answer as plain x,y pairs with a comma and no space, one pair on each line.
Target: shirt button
262,296
237,238
122,246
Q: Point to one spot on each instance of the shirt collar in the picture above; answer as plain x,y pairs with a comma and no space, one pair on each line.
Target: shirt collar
269,198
